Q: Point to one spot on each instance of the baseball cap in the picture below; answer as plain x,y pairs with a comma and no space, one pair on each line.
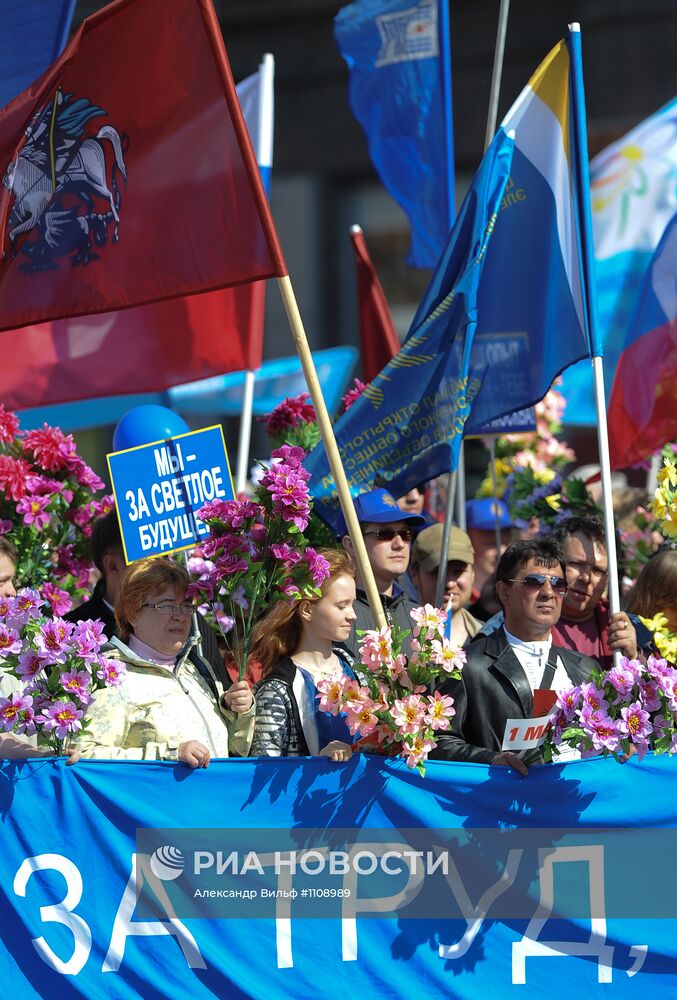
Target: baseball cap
380,507
481,514
428,544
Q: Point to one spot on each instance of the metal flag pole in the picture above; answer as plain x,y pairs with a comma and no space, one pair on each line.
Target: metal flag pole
245,435
456,493
582,179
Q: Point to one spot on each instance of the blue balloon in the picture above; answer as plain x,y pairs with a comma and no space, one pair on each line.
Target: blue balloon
147,423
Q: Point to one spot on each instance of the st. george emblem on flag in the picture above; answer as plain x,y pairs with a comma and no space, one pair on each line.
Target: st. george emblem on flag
128,174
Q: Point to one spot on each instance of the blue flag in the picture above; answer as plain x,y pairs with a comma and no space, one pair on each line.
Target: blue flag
525,320
32,35
393,52
407,425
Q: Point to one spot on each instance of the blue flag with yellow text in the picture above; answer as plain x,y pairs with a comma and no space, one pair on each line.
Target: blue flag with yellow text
393,52
407,425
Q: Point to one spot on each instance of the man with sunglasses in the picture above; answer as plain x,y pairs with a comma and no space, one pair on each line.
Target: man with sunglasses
505,668
388,533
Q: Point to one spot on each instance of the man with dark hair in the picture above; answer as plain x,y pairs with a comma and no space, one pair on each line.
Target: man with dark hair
105,546
505,668
8,560
586,623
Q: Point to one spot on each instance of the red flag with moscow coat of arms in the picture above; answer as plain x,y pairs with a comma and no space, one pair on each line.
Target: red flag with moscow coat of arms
131,196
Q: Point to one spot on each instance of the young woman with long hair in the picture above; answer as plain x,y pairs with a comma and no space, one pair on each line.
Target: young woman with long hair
294,645
655,590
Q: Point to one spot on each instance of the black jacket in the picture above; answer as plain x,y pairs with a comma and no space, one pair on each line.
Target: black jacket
493,688
96,607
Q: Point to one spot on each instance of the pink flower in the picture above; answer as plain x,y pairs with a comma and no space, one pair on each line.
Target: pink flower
408,713
593,696
649,695
5,526
27,604
622,680
635,724
429,617
63,717
450,656
568,700
10,641
112,672
440,711
30,664
285,553
330,692
601,729
317,564
376,648
53,640
77,683
12,708
33,510
59,599
417,750
291,412
84,476
353,394
50,447
288,489
360,715
13,472
88,637
292,455
9,425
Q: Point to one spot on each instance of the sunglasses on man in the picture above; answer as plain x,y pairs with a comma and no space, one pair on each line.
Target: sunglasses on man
387,534
533,582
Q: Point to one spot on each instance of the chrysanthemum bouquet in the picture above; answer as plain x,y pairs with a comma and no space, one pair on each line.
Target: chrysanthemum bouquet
628,706
392,710
47,506
58,667
257,551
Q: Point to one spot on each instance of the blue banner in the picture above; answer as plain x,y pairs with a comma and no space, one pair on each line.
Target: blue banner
407,425
78,917
394,52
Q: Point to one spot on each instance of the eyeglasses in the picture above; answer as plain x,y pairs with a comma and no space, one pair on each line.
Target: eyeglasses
186,608
536,581
387,534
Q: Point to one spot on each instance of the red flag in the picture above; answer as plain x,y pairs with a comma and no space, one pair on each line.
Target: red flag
129,178
378,337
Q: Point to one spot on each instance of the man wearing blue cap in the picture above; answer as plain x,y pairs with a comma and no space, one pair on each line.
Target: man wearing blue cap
388,533
481,515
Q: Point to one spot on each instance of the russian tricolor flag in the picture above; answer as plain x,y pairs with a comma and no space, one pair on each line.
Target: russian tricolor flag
642,414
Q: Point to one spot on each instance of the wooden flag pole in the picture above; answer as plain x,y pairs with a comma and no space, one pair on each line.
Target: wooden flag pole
335,464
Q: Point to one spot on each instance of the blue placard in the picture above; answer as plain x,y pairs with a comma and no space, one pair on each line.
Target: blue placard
160,487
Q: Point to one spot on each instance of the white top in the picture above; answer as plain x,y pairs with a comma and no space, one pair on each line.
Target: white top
533,657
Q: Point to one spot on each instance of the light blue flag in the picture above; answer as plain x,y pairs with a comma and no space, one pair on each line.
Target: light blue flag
394,53
220,395
634,196
407,425
32,35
